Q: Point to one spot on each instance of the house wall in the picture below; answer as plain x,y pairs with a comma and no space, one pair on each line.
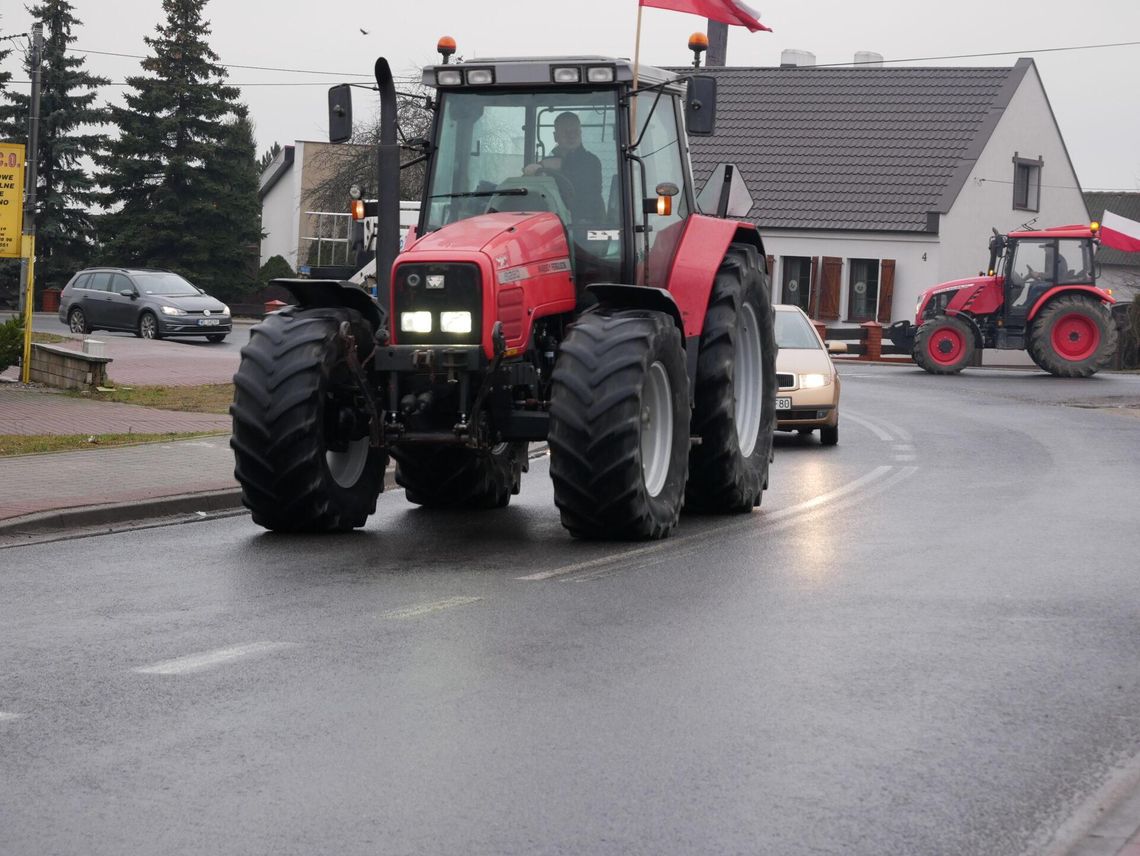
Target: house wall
986,200
277,220
916,261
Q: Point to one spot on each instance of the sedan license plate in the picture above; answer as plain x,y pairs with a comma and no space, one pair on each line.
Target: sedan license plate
783,404
207,322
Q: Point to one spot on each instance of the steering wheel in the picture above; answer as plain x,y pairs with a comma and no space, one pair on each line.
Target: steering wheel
561,181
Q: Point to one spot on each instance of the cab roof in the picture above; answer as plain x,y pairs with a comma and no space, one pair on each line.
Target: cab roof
1079,230
539,71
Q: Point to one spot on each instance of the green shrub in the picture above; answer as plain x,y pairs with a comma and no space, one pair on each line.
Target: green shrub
274,268
11,342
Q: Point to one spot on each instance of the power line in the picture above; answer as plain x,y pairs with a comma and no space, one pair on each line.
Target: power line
234,65
980,55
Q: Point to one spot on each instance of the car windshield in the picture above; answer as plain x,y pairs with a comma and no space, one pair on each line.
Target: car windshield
793,331
169,284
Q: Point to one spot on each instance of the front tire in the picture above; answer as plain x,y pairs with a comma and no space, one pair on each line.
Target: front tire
77,321
456,477
619,426
735,410
829,435
1072,337
301,442
216,337
148,326
944,345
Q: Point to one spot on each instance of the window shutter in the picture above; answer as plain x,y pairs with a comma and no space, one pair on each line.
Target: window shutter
829,293
771,260
813,289
886,289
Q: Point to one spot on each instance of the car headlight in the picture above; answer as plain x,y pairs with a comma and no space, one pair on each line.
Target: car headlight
455,322
172,310
415,322
225,310
814,381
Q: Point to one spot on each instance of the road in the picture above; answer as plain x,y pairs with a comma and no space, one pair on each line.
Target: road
925,642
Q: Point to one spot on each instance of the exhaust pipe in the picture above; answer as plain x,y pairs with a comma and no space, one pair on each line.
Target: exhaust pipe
388,188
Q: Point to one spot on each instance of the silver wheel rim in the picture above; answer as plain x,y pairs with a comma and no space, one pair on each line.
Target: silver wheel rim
656,428
346,467
77,320
148,324
748,381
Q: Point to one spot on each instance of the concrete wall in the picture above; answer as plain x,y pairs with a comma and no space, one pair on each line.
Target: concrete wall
66,369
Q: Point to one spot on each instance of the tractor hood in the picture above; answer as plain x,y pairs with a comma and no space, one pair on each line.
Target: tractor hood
934,300
511,234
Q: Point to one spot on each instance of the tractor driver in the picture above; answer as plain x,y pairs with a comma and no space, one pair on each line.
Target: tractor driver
581,169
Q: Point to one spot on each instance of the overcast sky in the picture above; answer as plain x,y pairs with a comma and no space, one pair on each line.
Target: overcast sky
1095,93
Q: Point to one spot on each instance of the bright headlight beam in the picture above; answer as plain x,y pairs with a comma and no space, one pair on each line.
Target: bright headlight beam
455,322
813,381
415,322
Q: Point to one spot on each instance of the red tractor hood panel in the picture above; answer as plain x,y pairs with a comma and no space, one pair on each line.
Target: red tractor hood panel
976,293
475,233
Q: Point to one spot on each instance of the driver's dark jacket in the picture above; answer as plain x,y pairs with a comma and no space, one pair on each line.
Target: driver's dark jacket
584,172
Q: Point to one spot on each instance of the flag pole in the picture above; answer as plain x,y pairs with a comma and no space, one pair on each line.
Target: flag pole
636,68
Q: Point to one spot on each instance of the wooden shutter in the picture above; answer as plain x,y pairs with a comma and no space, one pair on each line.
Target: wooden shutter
771,262
886,289
829,291
813,289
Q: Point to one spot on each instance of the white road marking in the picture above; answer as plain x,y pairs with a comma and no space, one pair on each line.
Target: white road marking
210,659
869,425
766,522
906,457
8,717
430,608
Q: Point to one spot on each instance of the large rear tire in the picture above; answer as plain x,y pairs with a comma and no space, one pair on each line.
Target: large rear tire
619,426
301,442
735,401
456,477
944,345
1072,337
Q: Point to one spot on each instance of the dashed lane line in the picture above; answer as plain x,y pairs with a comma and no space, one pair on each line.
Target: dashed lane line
792,512
211,659
423,609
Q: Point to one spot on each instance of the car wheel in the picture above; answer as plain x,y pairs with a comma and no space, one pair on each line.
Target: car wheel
216,337
829,434
77,321
148,326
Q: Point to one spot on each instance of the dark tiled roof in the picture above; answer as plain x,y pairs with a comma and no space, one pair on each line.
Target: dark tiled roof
1124,204
853,148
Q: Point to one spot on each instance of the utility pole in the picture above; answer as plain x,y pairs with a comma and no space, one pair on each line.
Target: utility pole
28,265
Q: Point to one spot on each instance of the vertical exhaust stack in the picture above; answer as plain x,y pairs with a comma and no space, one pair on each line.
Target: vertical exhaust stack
718,45
388,187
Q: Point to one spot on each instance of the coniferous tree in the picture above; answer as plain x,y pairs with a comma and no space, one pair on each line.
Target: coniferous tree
68,138
169,206
268,156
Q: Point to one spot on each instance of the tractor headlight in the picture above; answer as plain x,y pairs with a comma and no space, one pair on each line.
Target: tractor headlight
415,322
455,322
449,77
172,310
814,381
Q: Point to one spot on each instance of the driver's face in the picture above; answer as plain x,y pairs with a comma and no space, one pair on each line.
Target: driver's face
568,134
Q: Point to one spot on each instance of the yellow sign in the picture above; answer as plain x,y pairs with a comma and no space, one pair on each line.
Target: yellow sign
11,199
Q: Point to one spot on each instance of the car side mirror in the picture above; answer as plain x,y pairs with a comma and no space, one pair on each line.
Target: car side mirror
129,292
700,105
340,113
837,347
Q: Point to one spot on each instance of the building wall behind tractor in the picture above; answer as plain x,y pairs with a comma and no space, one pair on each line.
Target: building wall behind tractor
915,257
1027,128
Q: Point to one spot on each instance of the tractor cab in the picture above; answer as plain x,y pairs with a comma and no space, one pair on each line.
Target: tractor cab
554,135
1033,263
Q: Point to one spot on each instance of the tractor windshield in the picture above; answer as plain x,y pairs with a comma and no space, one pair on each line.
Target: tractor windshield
1050,261
532,150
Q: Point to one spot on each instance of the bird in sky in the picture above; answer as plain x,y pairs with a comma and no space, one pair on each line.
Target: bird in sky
363,31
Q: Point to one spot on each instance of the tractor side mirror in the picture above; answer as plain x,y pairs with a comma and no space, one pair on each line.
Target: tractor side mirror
340,114
700,105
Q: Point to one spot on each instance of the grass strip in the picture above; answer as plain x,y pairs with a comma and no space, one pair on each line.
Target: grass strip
34,444
205,398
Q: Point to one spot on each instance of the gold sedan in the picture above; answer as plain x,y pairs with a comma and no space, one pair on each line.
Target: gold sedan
808,397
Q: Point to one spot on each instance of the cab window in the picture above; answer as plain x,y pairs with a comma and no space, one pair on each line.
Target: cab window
662,156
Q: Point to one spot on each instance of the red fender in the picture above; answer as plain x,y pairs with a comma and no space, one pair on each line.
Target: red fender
1068,289
701,250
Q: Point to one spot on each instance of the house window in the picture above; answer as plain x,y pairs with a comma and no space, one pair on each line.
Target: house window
863,290
797,281
1027,184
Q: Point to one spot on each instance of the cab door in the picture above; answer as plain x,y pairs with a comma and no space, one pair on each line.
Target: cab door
122,309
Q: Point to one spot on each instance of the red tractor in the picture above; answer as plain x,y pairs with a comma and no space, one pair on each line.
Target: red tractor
1039,295
558,287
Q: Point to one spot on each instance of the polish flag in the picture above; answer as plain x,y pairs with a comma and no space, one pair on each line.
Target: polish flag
725,11
1119,233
